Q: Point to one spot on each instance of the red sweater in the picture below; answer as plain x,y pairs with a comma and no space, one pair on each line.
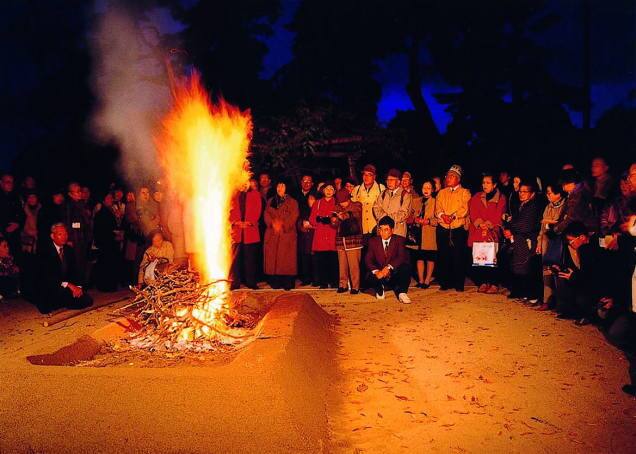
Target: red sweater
488,212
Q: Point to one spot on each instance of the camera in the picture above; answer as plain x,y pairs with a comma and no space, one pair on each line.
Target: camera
323,220
555,269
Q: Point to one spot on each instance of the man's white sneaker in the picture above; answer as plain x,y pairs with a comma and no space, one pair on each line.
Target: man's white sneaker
404,298
380,296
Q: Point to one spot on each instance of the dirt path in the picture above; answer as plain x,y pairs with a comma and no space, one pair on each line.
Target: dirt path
474,373
449,373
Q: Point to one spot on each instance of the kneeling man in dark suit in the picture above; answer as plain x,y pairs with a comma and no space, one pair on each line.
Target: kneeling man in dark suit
388,260
58,275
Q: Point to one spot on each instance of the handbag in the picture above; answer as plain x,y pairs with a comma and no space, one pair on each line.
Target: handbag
554,252
485,253
413,234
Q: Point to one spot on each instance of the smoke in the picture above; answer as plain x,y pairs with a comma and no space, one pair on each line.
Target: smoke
129,80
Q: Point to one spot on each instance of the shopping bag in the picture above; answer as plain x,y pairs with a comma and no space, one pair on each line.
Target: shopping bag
485,253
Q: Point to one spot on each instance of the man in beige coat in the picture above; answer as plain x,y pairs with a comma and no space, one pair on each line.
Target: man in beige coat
394,202
367,193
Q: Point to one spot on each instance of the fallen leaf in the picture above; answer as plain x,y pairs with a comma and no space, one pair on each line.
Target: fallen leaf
403,398
362,387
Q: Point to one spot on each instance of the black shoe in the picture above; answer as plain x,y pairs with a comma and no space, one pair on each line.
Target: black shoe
459,289
354,291
252,287
341,290
443,289
630,389
287,288
305,283
425,286
513,296
582,322
563,317
323,286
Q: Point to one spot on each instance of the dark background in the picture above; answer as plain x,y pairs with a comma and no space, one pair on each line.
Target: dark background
525,85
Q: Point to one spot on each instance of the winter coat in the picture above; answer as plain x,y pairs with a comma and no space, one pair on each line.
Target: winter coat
349,235
395,204
367,198
552,212
452,202
252,213
578,208
429,231
279,248
488,213
324,234
525,228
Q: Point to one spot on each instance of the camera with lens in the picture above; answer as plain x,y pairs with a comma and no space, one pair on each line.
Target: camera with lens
323,220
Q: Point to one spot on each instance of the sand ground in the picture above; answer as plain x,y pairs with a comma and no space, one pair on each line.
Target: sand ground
450,373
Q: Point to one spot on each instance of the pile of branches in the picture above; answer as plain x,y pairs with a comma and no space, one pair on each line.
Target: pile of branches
164,312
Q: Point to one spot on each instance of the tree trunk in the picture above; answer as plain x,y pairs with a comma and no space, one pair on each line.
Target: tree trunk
429,130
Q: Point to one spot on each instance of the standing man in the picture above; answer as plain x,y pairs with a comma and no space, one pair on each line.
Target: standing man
451,209
367,193
79,230
305,231
245,214
11,214
394,202
265,187
388,262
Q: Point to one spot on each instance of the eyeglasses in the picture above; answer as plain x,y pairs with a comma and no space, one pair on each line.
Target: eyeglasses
524,192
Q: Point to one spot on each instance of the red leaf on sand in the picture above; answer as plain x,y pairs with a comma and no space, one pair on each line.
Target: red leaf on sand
403,398
362,387
449,397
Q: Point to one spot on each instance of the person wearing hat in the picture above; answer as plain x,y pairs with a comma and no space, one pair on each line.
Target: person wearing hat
348,220
394,202
324,241
367,193
279,245
407,183
451,210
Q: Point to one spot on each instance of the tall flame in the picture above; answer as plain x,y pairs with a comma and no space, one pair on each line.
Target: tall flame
203,149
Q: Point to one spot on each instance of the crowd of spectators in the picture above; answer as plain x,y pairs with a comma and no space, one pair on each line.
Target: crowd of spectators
565,246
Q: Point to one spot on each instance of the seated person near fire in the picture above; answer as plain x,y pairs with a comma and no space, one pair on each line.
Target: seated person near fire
59,278
388,262
159,257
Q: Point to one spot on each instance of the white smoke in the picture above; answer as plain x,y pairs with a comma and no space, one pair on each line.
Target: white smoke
129,80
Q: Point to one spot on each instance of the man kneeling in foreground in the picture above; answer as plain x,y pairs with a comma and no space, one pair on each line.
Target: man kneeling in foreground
59,282
388,261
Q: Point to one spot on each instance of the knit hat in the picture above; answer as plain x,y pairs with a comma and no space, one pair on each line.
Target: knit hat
369,168
456,168
407,174
343,196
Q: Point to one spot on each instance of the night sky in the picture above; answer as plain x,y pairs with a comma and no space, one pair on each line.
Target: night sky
613,36
613,59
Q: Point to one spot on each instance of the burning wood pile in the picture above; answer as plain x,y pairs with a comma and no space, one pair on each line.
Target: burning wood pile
178,312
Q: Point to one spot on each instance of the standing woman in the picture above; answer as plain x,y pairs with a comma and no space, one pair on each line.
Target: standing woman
348,221
425,253
279,247
486,209
324,242
552,215
523,233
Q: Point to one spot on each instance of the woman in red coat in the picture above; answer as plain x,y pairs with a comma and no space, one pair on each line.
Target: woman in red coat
486,209
323,247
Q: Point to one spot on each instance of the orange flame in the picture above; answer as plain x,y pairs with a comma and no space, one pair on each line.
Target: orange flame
203,149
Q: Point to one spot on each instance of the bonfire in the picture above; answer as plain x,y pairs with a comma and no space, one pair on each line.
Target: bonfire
203,148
